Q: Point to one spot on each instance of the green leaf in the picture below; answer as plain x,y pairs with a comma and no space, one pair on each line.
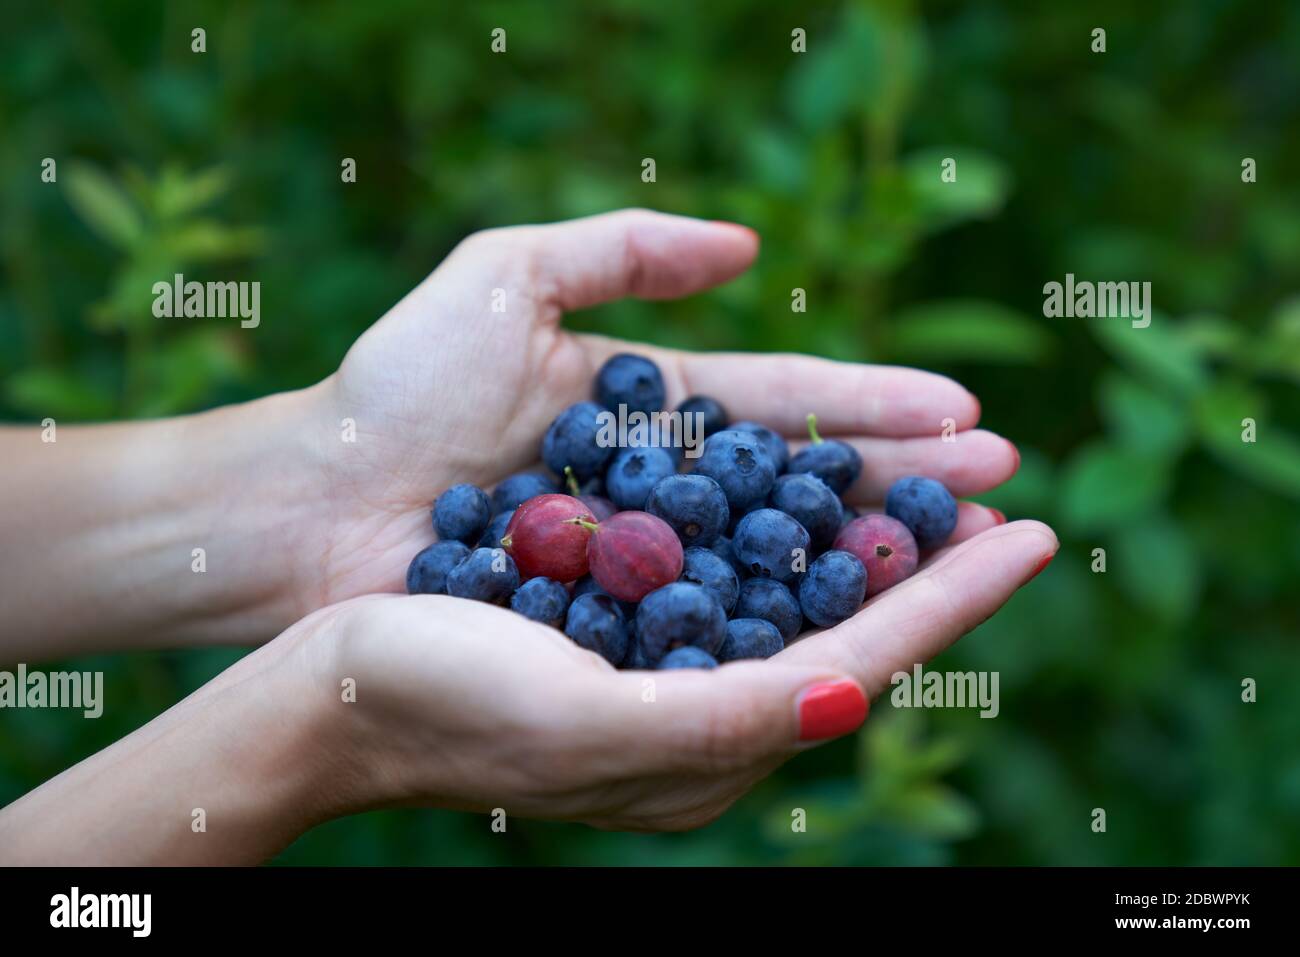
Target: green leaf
202,241
1155,564
969,330
1280,349
1213,336
833,809
183,371
103,205
869,64
978,191
1285,324
779,160
1033,490
58,393
936,811
1104,486
1142,418
826,81
178,193
1156,351
1273,459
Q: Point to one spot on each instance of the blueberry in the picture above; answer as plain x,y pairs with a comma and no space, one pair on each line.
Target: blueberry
750,638
771,601
587,585
717,577
635,659
596,623
656,434
519,488
573,439
634,472
772,443
496,528
833,589
834,462
488,574
694,505
722,548
713,416
771,544
927,509
427,573
738,462
462,513
542,599
631,381
737,514
677,614
687,657
810,502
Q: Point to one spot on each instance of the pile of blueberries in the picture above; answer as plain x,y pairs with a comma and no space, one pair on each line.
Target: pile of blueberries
652,566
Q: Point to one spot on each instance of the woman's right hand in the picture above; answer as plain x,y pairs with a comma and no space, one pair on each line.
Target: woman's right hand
465,705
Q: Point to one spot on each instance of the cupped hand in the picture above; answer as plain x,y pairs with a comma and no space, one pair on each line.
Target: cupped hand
465,705
458,382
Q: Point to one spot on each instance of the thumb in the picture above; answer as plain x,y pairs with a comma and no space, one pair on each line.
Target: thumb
632,252
725,719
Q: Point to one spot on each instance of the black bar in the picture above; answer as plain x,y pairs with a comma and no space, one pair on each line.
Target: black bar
329,905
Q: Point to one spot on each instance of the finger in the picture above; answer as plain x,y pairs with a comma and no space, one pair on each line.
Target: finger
632,252
920,617
780,389
722,720
972,519
977,461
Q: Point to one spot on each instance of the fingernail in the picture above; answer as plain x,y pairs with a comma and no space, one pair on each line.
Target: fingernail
1041,565
1016,452
997,513
830,709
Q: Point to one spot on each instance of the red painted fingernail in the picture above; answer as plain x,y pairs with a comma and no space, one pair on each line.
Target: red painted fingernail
830,709
997,513
1041,565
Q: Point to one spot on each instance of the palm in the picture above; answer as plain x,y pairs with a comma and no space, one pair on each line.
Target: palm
495,711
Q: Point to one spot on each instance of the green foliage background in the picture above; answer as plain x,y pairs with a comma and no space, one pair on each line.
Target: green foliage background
1119,690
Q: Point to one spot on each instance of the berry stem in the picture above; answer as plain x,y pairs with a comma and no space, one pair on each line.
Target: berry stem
572,481
589,526
812,428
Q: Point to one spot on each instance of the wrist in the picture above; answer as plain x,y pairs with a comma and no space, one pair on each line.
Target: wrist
231,775
163,533
335,717
254,507
312,745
